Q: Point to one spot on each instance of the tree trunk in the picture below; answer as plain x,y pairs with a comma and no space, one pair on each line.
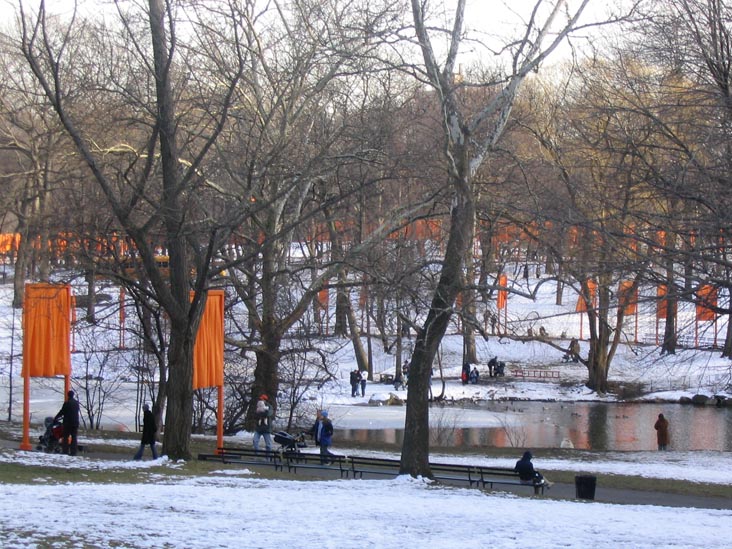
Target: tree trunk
179,411
342,307
266,373
669,333
21,266
91,290
183,325
415,448
470,352
361,358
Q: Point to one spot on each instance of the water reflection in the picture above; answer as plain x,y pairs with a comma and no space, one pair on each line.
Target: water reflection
587,425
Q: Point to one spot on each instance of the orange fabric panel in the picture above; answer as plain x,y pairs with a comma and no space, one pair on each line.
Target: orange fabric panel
208,352
46,330
502,294
662,307
627,298
706,300
323,298
581,306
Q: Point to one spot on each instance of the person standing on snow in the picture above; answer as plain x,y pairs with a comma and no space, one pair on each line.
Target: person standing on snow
355,380
662,434
322,433
364,376
149,428
465,374
70,414
263,428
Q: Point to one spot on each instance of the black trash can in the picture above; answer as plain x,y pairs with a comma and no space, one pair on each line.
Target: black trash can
585,486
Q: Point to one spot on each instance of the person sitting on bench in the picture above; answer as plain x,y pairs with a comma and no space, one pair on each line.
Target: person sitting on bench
526,471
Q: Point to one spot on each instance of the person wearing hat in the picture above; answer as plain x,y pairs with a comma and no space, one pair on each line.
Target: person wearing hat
149,428
322,433
70,414
263,428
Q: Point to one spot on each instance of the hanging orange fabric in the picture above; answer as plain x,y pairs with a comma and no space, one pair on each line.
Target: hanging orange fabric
581,306
46,330
706,297
323,298
627,297
662,302
502,294
208,352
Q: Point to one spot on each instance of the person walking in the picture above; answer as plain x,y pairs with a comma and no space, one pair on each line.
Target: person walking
263,428
149,428
662,434
70,414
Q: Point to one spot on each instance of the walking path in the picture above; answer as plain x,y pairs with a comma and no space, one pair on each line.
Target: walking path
559,491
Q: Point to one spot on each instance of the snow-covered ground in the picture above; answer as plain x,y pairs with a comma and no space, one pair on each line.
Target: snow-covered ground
236,508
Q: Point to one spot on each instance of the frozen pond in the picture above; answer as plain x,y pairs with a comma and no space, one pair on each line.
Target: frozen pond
587,425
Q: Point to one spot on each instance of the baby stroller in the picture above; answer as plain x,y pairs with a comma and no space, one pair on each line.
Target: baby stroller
288,442
50,440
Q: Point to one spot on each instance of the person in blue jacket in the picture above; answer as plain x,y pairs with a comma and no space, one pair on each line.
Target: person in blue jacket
322,433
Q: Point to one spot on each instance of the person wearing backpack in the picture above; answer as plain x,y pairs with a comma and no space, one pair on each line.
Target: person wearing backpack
263,428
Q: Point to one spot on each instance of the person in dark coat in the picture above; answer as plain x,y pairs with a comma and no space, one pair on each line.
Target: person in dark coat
465,373
70,414
149,428
263,414
526,471
355,380
492,366
662,434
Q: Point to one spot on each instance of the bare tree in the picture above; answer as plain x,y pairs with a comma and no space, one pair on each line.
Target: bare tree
468,142
155,197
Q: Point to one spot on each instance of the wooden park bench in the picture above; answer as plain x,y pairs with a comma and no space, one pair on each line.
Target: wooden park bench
546,374
355,466
490,476
302,460
246,456
373,466
390,467
386,378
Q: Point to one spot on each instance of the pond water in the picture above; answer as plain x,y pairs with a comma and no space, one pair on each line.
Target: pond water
587,425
